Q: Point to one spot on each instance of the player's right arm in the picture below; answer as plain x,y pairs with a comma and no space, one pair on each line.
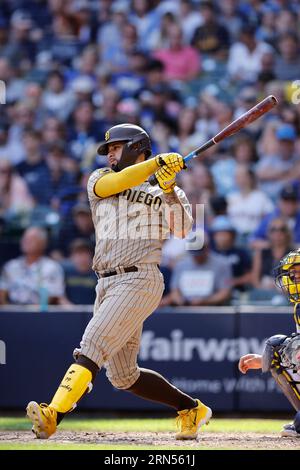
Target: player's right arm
115,182
250,361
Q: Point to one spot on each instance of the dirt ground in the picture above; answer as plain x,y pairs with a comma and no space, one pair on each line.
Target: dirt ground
207,440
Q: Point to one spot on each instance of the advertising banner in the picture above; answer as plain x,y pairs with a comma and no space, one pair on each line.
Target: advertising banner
197,352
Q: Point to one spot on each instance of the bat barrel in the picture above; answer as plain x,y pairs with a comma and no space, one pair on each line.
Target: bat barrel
247,118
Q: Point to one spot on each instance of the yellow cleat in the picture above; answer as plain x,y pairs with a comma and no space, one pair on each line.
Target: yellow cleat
191,420
43,418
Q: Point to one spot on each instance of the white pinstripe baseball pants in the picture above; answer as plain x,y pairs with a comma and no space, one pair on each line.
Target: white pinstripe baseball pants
112,337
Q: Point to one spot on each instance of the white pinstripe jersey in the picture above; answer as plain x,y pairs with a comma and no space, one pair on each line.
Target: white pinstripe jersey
129,226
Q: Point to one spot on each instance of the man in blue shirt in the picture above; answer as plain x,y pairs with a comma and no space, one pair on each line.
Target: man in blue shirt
288,208
224,243
80,279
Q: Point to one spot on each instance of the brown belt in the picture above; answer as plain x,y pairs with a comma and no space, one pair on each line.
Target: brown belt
130,269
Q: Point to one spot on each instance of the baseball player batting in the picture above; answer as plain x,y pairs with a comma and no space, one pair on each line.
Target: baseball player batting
130,284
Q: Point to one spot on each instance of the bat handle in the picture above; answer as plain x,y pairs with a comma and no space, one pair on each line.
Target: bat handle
199,150
152,180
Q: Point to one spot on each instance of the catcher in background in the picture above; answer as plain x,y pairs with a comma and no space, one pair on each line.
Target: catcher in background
281,355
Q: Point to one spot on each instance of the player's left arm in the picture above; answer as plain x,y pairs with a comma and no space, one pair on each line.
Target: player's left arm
179,213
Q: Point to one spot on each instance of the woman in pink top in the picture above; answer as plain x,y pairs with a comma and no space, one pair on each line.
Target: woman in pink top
181,62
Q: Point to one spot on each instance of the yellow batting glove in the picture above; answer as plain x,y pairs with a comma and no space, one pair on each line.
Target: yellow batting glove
166,179
173,161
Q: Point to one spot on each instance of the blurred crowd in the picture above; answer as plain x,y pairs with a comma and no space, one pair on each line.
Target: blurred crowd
183,70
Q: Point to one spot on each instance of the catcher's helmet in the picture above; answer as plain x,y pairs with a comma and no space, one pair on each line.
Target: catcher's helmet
285,277
137,142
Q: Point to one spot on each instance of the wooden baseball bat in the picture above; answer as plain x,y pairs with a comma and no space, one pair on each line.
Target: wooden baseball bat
244,120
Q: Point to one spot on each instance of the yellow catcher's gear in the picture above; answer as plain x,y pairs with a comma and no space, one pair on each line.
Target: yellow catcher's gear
43,418
191,420
74,384
166,179
174,161
285,276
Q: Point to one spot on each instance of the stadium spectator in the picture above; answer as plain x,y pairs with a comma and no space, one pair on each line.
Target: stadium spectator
266,31
187,138
157,105
201,277
57,99
34,164
80,279
280,242
245,56
146,19
161,36
286,21
130,82
244,150
83,130
109,31
22,118
288,210
81,15
24,280
87,64
81,226
218,205
8,148
203,183
54,179
21,49
211,38
288,62
274,170
154,73
52,131
33,93
224,243
231,18
190,19
181,62
14,84
116,55
248,205
109,109
267,71
62,42
15,198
